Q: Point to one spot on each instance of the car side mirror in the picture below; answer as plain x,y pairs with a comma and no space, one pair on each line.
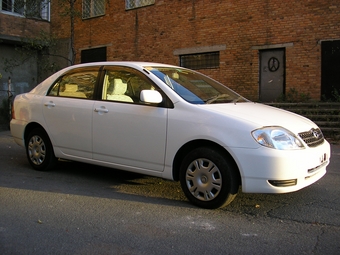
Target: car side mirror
151,96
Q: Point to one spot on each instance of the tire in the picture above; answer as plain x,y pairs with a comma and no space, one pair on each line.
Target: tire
39,150
208,178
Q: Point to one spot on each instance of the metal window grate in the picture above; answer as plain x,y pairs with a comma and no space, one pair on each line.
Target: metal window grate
132,4
15,6
29,8
93,8
37,9
201,60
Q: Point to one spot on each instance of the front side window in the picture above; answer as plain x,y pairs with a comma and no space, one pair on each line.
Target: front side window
132,4
124,85
78,84
93,8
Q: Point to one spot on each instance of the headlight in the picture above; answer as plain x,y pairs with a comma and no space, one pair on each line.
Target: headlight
277,138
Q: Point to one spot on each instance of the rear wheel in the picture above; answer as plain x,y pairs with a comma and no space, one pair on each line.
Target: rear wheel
208,178
39,150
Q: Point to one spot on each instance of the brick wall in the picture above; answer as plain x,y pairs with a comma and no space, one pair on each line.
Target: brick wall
15,26
153,33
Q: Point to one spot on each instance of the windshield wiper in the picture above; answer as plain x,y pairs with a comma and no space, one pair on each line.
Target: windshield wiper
237,99
213,99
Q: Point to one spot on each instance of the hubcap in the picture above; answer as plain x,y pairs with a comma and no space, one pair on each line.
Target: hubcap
36,150
203,179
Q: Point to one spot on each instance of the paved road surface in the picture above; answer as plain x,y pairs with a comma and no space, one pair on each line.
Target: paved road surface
84,209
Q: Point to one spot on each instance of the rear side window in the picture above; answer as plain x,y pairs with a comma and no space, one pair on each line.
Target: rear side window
77,84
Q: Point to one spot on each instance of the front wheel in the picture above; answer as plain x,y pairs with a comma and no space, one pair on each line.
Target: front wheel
208,178
39,150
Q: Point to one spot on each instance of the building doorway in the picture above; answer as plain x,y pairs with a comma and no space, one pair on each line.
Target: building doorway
272,74
330,69
93,55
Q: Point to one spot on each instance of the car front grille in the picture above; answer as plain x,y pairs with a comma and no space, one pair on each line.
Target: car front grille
313,137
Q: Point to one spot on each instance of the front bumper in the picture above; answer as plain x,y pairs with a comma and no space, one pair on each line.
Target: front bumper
265,170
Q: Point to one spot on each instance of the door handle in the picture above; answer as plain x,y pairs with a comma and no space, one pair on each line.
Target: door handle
49,104
101,110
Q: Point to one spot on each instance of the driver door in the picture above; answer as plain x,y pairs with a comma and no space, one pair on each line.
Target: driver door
126,132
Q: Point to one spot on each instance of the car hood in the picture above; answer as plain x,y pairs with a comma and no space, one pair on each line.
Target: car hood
260,115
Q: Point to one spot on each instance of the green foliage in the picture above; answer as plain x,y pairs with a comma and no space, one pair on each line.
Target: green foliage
293,96
32,48
68,9
335,96
72,13
40,47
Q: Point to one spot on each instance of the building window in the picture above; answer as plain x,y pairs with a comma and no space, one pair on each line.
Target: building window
14,6
39,9
200,60
93,8
132,4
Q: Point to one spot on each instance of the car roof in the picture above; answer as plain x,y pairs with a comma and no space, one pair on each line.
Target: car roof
135,64
43,86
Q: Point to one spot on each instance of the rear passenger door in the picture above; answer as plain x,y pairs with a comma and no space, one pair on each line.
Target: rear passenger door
126,132
68,110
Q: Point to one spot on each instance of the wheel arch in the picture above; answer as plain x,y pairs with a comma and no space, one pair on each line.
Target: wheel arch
39,148
30,127
183,151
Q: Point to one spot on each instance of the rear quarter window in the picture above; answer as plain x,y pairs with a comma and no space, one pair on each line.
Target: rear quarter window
77,84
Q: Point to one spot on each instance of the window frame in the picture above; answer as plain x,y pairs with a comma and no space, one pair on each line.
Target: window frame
134,4
41,12
103,87
56,92
206,60
118,72
91,13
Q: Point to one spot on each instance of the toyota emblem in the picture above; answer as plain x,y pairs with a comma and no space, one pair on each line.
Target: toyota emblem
315,133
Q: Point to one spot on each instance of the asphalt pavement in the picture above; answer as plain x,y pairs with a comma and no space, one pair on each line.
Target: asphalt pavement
85,209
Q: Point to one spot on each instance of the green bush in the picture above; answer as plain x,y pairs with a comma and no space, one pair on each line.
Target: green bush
293,96
335,97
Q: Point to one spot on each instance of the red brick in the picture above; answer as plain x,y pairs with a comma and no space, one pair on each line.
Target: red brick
240,25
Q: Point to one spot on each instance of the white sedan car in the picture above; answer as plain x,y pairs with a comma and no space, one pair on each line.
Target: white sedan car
169,122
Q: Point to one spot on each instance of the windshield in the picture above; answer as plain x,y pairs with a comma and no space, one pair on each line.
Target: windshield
194,87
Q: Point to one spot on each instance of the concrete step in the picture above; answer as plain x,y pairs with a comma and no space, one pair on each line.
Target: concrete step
325,115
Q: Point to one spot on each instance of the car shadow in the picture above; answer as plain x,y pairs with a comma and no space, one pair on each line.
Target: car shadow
91,180
69,177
